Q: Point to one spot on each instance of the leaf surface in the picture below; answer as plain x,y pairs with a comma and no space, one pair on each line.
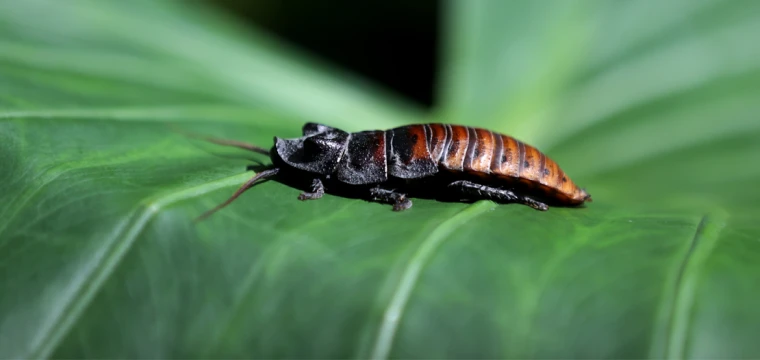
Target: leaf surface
100,257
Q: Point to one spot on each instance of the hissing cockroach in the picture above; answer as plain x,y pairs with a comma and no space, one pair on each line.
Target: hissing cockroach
449,161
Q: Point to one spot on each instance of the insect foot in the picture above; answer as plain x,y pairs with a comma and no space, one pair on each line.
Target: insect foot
317,191
402,203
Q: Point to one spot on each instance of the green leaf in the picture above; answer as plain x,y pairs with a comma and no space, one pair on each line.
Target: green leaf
637,110
649,105
168,47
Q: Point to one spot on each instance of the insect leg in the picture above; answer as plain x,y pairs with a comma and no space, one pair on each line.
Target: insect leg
532,203
400,201
476,191
317,190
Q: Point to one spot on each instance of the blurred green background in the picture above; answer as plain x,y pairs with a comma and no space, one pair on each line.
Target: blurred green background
652,106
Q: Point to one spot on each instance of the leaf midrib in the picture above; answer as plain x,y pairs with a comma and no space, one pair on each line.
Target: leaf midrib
155,114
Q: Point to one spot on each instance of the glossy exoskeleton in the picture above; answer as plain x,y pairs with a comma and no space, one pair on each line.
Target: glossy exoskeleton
439,160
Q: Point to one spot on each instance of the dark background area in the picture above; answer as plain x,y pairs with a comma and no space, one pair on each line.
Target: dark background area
391,42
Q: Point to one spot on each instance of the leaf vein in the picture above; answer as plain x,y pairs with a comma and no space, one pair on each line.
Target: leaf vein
704,240
122,240
395,309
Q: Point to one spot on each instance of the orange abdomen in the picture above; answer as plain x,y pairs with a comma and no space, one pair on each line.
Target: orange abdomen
502,158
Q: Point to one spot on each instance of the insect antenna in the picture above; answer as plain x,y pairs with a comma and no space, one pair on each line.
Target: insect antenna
224,142
249,184
238,144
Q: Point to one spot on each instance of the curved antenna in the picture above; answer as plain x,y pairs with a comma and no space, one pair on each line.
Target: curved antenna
238,144
224,142
249,184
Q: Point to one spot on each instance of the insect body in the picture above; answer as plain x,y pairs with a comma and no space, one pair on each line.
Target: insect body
457,162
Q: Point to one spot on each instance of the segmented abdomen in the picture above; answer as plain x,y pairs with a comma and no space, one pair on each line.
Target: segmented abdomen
482,152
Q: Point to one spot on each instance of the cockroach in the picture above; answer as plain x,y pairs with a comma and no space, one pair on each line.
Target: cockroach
459,162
